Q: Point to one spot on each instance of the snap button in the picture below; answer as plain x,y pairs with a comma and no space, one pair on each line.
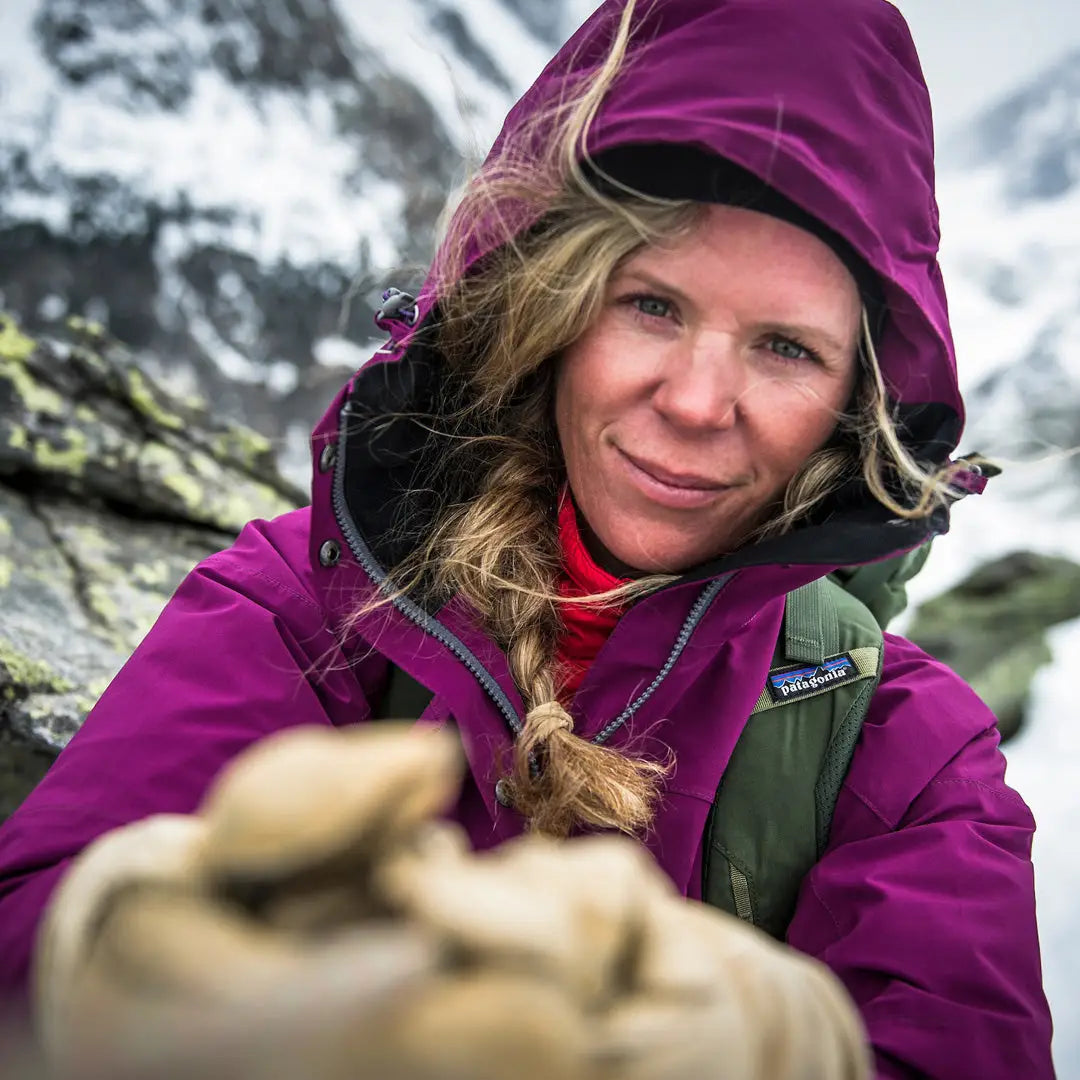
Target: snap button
328,457
330,553
504,793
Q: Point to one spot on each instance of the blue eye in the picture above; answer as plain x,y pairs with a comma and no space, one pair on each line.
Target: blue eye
790,350
652,306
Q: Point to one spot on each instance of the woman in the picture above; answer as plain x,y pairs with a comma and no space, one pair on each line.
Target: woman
685,347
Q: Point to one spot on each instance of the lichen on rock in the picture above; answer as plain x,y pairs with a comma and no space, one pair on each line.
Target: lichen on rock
14,344
111,490
21,674
149,403
80,416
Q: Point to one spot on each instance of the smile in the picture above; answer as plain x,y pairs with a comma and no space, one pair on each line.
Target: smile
677,491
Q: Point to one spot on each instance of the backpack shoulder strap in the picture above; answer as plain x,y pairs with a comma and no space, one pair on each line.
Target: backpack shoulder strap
770,819
882,586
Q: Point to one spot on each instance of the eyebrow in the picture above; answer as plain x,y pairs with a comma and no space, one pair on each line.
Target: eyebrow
814,334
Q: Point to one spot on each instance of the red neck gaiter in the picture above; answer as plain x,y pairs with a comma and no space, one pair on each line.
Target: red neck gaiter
585,628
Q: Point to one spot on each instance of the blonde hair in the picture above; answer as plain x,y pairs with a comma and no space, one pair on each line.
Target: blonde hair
523,267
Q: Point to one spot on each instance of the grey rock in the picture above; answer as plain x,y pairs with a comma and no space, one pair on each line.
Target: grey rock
448,23
991,628
110,492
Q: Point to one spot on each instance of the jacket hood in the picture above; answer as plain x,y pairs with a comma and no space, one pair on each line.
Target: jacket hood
823,103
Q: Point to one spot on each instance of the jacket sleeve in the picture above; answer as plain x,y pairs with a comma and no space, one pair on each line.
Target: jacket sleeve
241,650
924,901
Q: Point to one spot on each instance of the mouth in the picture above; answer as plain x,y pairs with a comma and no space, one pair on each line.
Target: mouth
682,481
677,491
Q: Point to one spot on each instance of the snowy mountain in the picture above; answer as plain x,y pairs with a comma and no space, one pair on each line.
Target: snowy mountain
1036,131
1010,195
1009,189
229,184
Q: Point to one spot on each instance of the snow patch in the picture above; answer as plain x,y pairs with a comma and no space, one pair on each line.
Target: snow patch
1044,762
339,352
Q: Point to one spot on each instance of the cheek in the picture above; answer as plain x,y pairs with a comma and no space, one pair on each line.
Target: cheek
793,424
571,417
583,392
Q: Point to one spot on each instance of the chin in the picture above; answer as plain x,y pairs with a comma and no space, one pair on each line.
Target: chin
656,554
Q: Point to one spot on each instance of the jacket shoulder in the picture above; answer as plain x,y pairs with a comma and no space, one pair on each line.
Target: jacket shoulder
921,720
275,552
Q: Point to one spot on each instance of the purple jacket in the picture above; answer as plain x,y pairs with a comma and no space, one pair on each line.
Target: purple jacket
923,903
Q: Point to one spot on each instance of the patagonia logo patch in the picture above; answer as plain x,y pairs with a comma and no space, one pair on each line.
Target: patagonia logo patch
788,684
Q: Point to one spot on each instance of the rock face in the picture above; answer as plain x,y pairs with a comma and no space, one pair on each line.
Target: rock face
991,628
110,491
228,185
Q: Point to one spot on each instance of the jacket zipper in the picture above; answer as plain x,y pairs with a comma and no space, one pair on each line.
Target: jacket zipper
697,613
430,625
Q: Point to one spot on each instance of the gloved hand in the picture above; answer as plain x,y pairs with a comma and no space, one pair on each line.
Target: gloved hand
315,921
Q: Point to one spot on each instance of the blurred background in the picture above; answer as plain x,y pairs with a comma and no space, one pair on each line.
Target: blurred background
227,186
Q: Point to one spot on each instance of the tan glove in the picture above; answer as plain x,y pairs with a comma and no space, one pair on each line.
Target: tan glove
313,921
673,990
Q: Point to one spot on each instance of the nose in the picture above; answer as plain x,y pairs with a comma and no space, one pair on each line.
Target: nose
701,383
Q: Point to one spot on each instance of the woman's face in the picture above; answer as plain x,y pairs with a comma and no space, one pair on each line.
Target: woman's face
717,365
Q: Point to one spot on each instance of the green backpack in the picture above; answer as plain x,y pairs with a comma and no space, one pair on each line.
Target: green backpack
770,820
